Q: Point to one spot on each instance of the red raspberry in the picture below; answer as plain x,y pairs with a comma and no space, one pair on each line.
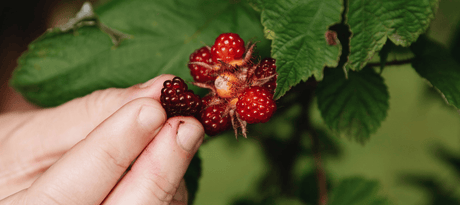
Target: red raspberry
227,47
255,105
200,73
209,100
267,68
206,100
213,121
177,100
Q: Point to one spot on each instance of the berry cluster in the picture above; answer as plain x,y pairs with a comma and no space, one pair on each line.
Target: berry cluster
241,91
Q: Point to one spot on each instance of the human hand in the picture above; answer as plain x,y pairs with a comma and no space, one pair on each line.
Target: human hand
76,153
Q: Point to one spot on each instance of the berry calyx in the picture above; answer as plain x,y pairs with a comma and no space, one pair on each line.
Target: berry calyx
227,47
255,105
213,120
201,73
267,68
226,85
232,102
177,100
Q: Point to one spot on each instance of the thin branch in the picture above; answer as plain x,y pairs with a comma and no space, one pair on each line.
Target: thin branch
87,17
320,173
396,62
315,143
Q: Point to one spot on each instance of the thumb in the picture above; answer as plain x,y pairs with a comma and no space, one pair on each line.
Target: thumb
156,175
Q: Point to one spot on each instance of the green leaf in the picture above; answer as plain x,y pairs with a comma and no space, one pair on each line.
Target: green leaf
298,30
353,107
436,191
434,63
450,158
391,55
372,22
192,176
61,66
357,191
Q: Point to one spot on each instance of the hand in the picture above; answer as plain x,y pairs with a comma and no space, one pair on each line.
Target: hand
77,153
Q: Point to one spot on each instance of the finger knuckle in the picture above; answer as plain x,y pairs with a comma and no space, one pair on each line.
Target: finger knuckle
161,188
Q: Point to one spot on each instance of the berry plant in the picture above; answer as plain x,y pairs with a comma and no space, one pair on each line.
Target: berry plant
302,81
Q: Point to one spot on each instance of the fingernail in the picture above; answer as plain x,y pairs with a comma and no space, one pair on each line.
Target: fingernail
151,117
189,135
150,82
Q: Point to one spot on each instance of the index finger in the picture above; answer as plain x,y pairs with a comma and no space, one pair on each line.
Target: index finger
87,173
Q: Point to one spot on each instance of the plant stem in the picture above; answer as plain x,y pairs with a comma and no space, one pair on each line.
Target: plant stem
87,17
315,143
320,174
396,62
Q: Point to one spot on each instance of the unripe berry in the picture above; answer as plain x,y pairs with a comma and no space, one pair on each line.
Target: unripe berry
226,85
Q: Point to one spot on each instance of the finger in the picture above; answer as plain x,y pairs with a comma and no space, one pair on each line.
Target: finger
32,141
100,104
156,174
75,119
84,114
181,196
87,173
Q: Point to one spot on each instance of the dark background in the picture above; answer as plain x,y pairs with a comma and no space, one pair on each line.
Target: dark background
21,23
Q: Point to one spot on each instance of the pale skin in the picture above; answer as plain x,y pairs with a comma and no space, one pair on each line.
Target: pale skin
77,153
